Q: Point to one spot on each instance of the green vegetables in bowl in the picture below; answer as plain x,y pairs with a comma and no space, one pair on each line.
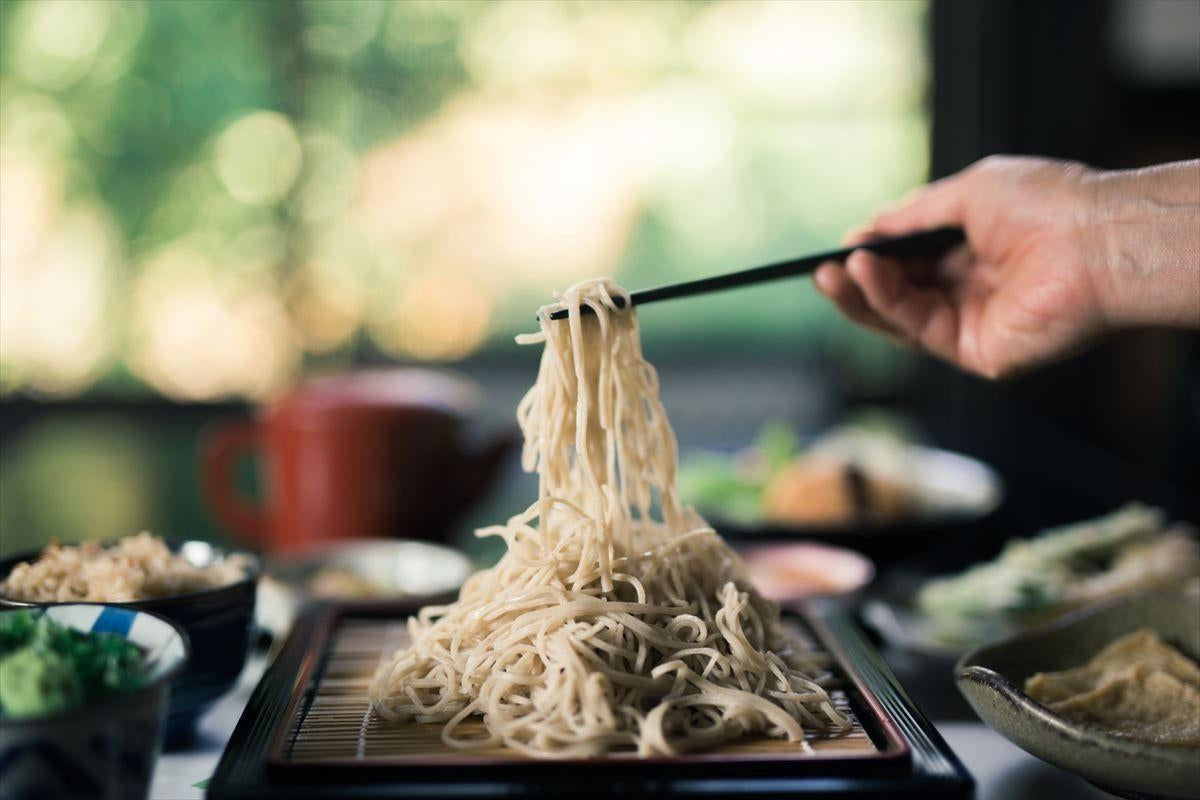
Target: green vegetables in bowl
735,485
46,667
1034,580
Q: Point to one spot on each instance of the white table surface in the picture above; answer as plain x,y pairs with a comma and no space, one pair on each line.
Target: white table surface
1002,771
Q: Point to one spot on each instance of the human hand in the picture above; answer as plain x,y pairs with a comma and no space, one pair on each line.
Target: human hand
1057,253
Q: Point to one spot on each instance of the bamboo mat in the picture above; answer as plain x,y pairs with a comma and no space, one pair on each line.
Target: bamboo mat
339,725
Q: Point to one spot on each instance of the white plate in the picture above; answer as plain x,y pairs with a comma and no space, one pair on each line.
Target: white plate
404,569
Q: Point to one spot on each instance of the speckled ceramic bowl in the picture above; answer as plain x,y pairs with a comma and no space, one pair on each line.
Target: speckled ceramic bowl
219,622
991,677
105,749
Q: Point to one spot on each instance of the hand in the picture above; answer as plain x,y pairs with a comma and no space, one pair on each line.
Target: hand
1057,254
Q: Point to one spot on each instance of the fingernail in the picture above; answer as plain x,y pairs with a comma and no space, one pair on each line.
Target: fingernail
824,278
856,264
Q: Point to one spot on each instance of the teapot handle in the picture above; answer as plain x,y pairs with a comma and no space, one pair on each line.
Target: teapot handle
220,449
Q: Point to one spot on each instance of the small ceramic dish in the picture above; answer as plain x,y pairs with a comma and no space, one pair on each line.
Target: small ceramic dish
357,570
105,749
789,572
219,622
991,677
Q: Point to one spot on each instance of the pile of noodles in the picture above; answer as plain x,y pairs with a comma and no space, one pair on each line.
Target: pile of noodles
617,619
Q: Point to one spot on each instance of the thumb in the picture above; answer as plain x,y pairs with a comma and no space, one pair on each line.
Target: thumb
936,205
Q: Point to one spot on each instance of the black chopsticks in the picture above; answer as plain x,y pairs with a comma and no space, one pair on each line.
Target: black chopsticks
926,243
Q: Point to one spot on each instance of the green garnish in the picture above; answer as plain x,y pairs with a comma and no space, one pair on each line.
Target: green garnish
16,630
734,485
46,667
1030,576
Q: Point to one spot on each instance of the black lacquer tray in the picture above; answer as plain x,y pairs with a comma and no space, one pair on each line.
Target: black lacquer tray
307,732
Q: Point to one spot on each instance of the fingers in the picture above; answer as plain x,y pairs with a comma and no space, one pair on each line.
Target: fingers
938,204
919,314
911,302
858,235
832,281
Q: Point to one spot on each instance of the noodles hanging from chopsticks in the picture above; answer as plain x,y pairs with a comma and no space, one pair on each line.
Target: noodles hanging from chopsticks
617,619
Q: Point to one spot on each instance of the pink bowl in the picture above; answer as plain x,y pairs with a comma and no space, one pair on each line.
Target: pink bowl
806,569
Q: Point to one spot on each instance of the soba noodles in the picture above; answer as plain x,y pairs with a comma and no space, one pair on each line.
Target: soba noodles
617,619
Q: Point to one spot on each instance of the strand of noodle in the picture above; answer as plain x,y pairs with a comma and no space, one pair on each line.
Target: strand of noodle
617,618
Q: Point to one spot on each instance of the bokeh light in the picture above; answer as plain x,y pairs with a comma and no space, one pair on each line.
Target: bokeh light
55,331
206,196
339,30
201,333
258,157
330,181
441,317
61,39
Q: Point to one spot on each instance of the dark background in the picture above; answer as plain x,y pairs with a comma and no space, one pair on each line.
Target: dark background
1072,80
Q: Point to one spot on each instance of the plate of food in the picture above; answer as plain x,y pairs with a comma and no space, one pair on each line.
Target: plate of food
208,592
1111,693
860,485
1034,580
618,627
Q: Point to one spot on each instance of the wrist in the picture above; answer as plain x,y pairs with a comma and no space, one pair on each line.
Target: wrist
1144,232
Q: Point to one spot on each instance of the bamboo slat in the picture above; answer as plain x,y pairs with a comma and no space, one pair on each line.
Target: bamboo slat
339,726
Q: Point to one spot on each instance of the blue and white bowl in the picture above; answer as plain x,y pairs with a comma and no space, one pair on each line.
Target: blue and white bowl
105,749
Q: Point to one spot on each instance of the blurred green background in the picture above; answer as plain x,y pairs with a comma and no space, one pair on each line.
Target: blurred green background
201,201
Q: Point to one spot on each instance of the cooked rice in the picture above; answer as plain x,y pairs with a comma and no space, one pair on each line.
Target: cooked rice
137,567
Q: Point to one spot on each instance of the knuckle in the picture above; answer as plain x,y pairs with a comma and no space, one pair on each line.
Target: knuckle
997,162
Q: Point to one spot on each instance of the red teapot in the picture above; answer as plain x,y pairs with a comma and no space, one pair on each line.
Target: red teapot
381,453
